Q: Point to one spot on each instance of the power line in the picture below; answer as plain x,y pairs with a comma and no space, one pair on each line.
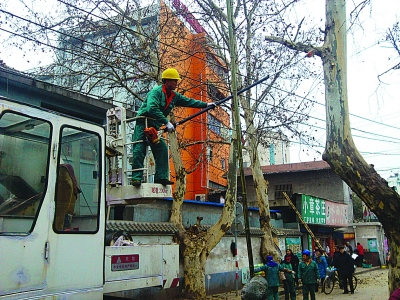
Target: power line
254,111
264,103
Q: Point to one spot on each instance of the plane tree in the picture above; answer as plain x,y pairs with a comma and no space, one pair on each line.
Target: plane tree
340,151
273,109
108,49
117,52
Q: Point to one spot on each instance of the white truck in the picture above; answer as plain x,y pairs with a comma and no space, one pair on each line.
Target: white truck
56,189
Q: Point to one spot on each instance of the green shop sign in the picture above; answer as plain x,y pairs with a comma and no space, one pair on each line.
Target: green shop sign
313,210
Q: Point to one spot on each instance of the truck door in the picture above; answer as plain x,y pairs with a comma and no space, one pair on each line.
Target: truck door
25,144
76,250
51,212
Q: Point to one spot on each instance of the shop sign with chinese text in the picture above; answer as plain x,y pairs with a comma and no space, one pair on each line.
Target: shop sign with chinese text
336,214
313,210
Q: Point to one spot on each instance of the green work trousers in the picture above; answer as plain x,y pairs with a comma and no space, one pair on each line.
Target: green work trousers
290,291
272,293
160,153
309,288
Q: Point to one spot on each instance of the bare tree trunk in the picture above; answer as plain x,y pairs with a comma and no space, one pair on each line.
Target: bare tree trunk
180,187
341,153
196,244
261,186
194,259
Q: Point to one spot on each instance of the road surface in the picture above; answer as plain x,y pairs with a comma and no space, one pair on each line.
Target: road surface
372,285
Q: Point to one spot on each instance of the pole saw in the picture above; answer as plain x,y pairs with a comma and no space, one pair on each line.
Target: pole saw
152,134
220,102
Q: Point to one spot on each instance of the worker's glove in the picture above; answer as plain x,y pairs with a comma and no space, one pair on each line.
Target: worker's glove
169,127
211,104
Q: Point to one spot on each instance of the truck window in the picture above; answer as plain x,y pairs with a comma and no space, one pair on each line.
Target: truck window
78,182
24,158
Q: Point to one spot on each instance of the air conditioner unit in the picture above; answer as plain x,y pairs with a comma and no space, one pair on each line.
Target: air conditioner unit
200,197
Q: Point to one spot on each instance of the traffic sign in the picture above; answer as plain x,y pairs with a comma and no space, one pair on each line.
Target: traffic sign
238,225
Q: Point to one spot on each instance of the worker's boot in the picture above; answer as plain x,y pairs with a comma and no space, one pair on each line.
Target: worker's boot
164,181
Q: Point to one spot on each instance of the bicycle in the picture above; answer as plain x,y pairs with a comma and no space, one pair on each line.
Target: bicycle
332,277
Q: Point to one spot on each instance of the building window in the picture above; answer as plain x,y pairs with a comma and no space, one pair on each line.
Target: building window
217,68
214,124
214,93
280,188
209,153
223,164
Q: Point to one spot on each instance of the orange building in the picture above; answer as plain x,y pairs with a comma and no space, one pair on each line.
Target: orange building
204,139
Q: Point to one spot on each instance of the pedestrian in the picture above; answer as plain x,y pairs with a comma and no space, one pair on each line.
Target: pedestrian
294,261
322,265
327,250
360,258
308,275
335,253
348,248
345,267
315,250
288,282
395,295
272,269
155,108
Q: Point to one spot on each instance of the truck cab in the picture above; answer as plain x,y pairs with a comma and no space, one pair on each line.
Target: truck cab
53,212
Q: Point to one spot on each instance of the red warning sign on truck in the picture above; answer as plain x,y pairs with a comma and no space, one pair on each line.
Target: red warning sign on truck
124,262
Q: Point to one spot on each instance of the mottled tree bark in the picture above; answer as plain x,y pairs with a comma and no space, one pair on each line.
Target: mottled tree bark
341,153
196,244
268,246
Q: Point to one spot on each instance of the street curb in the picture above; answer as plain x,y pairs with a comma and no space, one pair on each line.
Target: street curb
365,270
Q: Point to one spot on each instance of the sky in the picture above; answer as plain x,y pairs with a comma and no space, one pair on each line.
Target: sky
374,106
374,100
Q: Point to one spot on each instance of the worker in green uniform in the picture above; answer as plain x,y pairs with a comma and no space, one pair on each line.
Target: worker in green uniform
272,269
288,283
156,107
309,275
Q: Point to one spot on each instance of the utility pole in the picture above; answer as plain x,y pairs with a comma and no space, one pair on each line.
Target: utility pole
236,118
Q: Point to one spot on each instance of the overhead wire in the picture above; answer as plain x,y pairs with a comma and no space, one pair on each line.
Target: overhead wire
40,42
264,103
169,45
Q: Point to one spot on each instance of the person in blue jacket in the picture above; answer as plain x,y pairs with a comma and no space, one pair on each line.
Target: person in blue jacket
322,263
271,269
155,108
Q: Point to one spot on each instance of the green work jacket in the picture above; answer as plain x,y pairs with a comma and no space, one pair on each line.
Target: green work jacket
308,274
155,105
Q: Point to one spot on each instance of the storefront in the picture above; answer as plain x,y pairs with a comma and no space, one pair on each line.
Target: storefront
371,236
322,216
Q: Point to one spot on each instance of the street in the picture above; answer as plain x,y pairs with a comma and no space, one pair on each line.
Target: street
372,285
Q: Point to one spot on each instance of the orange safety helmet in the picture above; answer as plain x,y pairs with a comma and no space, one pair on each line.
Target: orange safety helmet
170,73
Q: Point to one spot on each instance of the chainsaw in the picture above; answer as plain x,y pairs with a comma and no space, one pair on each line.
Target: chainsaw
151,135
